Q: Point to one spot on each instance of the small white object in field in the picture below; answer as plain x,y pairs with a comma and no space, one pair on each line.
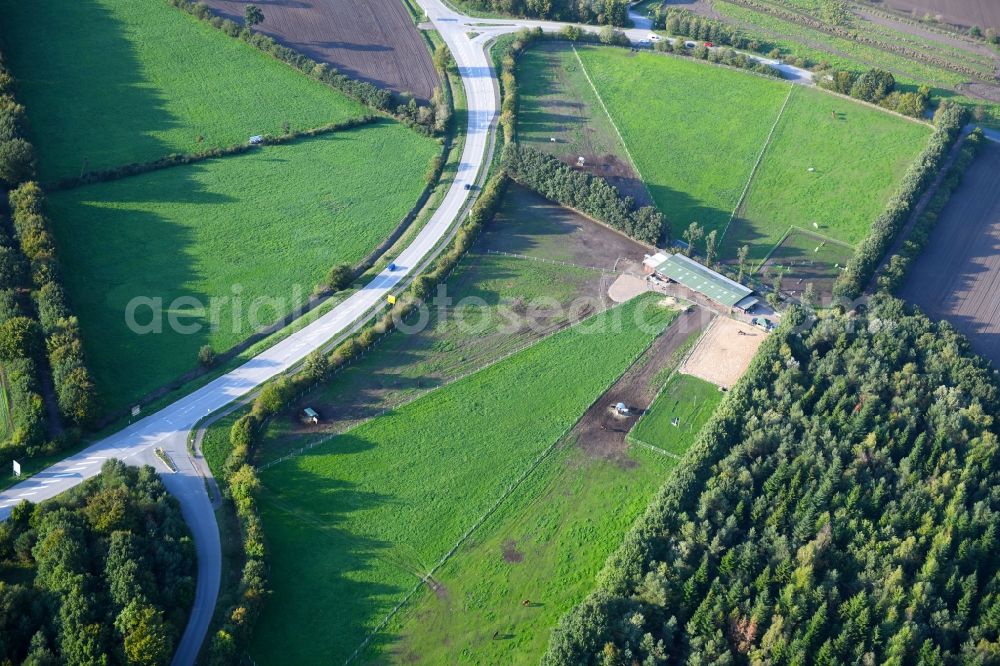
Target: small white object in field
811,169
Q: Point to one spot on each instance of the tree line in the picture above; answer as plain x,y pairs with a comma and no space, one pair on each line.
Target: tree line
600,12
591,195
75,391
839,507
38,333
110,569
877,86
894,273
948,123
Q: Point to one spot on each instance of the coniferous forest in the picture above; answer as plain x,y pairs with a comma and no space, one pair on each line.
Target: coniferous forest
841,507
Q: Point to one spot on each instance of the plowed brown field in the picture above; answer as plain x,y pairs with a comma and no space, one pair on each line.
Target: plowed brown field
372,40
958,276
984,13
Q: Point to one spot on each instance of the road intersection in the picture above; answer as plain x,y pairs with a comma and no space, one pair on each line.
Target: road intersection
168,429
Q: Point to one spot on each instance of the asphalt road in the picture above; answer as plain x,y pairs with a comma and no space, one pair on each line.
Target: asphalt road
169,428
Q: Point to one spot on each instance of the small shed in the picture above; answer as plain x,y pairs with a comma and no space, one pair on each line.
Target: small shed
309,415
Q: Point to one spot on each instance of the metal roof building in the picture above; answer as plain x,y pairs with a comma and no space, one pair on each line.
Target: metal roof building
691,274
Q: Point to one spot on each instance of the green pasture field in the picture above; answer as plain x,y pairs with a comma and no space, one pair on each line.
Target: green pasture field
259,229
690,400
354,524
477,330
491,306
110,82
559,103
859,155
694,130
545,545
791,38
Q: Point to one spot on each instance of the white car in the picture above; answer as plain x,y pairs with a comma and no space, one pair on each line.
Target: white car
653,37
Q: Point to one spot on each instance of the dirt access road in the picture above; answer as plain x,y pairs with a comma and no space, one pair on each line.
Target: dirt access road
601,432
957,277
372,40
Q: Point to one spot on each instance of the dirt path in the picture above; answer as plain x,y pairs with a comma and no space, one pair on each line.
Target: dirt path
600,431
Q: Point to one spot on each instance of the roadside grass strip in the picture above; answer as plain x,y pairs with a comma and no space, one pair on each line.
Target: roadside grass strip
355,525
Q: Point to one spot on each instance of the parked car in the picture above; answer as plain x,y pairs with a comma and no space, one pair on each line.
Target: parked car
653,37
709,45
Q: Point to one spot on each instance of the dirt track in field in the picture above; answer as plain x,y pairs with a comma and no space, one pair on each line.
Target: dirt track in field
984,13
372,40
601,431
958,276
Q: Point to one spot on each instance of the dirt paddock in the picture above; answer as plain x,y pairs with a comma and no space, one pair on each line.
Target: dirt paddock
724,352
371,40
601,431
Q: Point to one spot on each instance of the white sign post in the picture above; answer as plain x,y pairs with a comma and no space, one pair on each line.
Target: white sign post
17,468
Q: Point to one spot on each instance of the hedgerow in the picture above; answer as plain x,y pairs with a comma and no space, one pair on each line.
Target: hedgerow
178,159
75,391
589,194
895,271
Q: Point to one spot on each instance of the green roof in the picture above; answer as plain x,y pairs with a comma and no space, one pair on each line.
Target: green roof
702,279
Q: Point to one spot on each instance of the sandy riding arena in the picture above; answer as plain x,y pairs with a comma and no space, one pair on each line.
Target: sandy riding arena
724,352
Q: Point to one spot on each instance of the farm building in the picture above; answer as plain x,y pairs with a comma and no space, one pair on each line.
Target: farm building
702,279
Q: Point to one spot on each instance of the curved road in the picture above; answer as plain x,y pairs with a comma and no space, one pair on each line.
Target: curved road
169,428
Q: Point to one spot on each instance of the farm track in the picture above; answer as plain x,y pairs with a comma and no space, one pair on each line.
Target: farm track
372,40
957,277
602,433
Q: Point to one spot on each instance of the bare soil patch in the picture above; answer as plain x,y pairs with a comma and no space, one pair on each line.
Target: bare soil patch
371,40
511,554
984,13
531,225
616,171
627,287
957,278
724,352
601,430
925,33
